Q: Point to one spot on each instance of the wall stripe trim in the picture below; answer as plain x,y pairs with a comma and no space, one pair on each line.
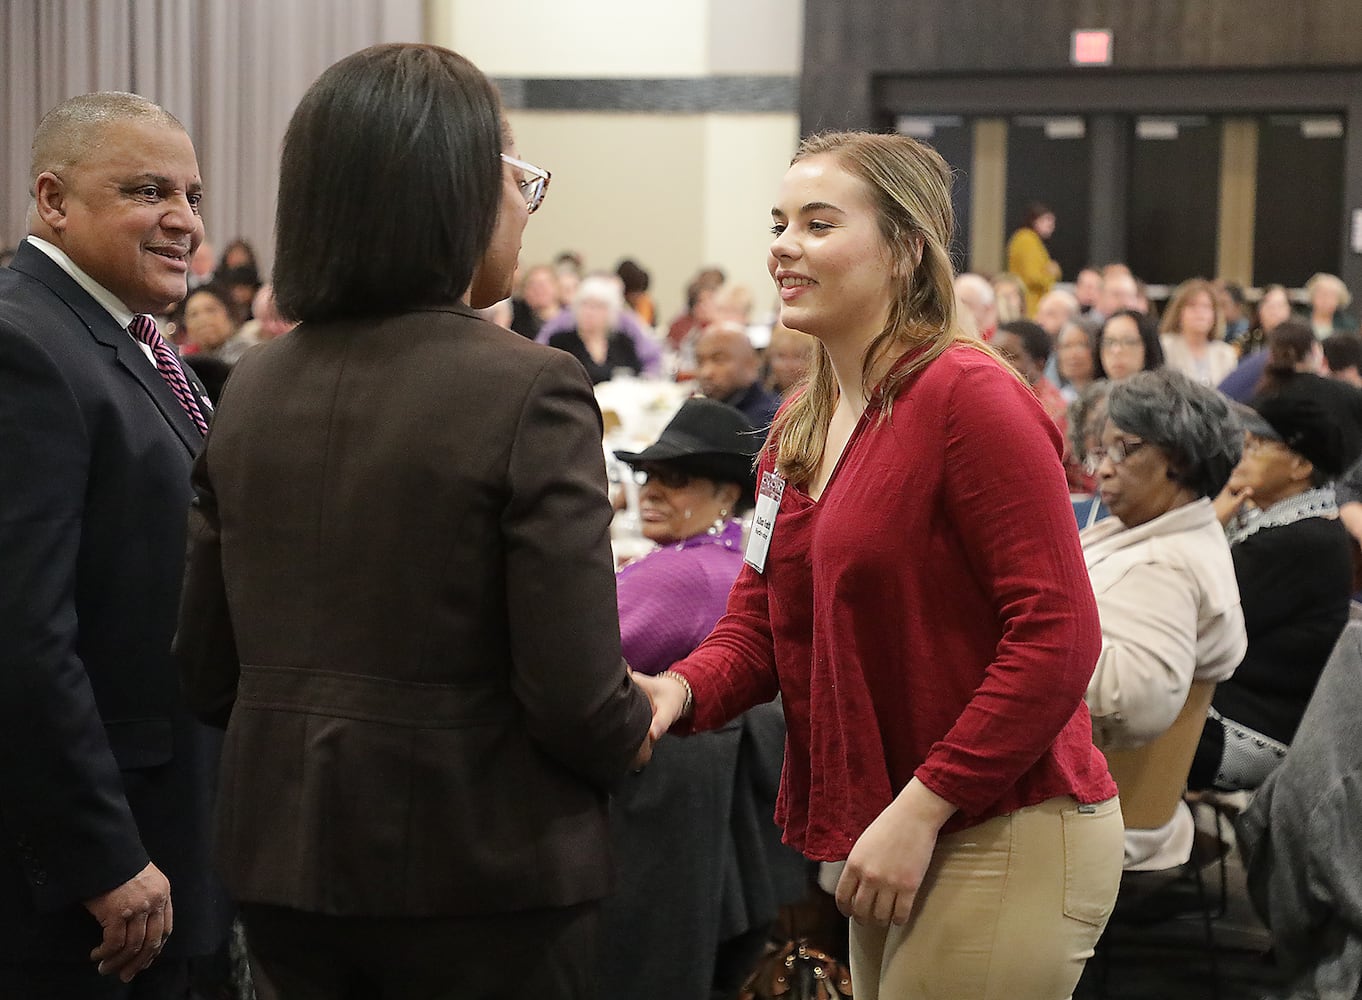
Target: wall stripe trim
674,95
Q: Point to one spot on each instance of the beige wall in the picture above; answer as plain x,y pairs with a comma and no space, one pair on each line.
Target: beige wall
676,192
624,185
576,38
745,157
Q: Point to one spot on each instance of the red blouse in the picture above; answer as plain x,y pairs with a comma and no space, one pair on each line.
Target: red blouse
930,615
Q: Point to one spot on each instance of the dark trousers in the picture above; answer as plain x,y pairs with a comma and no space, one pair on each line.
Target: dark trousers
545,954
165,980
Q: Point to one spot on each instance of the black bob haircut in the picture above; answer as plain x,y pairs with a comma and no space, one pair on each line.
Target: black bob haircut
389,184
1149,336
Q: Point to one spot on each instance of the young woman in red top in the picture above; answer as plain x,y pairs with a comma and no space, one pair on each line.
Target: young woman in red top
922,606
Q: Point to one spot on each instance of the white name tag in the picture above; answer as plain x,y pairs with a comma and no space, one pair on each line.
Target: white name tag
764,520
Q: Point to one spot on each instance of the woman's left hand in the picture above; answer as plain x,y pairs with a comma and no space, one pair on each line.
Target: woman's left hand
889,861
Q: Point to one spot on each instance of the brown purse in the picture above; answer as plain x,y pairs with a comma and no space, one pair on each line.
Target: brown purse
797,971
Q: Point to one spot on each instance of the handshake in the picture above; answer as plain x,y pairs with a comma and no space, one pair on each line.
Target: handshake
670,697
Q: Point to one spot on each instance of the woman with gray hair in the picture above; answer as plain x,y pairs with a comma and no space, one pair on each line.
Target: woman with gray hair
597,341
1329,300
1161,571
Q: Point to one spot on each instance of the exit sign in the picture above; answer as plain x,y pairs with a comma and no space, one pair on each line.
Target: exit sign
1090,47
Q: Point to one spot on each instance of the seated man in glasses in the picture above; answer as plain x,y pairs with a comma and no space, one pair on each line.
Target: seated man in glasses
1161,571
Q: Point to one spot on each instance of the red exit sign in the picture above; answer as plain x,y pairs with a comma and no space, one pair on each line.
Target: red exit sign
1090,47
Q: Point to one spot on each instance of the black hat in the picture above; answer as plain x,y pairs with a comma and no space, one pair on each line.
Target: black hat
1303,425
705,438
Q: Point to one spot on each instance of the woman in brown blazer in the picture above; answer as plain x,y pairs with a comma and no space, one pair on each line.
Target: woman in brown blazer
399,595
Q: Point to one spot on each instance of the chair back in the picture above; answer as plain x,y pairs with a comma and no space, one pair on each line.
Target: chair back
1152,778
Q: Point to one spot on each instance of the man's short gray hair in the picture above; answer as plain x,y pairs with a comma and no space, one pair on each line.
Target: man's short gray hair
974,286
71,130
1191,423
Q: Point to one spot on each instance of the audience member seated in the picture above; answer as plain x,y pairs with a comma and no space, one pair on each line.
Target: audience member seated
1087,420
1143,303
1010,295
1161,571
698,314
238,255
1119,293
1194,334
1343,358
727,369
537,301
788,356
595,338
1274,309
567,268
239,286
1056,307
1075,359
238,275
1088,289
1235,309
266,323
1294,566
636,281
733,302
209,328
1299,839
645,347
1128,343
201,265
1329,300
975,298
1295,359
1026,347
701,872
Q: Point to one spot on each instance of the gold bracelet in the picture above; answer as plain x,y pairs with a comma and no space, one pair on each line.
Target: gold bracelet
689,704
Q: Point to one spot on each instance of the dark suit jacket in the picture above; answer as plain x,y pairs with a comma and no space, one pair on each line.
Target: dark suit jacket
100,768
756,404
400,587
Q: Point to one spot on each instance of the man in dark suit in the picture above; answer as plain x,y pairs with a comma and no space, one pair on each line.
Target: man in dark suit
105,781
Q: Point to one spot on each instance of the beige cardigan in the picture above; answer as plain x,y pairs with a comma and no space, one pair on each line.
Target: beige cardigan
1169,606
1221,359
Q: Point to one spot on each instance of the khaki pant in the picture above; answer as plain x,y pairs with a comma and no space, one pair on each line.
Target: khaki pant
1009,909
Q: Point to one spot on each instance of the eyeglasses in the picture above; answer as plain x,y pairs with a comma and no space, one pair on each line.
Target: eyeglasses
1125,343
1118,453
666,475
534,185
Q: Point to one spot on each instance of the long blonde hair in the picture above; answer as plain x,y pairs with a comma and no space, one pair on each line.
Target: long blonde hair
910,186
1182,295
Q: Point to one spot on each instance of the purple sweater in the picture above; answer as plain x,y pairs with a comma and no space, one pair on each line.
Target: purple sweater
649,353
670,599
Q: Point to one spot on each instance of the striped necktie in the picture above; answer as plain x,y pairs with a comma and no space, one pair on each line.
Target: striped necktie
144,329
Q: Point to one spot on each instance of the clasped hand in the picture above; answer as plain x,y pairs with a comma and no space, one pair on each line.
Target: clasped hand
668,698
136,918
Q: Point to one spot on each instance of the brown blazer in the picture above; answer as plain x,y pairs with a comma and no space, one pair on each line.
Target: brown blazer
400,587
